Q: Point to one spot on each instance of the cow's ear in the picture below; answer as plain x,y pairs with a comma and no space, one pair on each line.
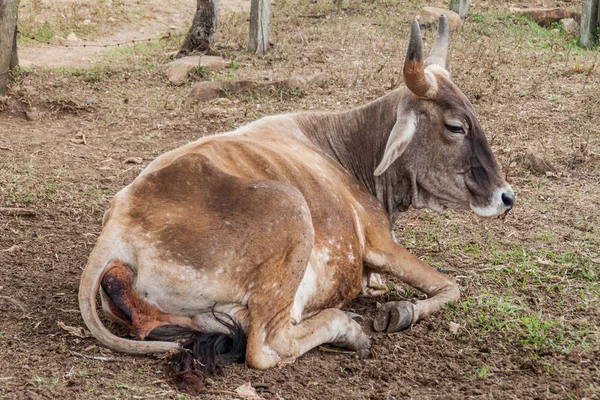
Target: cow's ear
401,135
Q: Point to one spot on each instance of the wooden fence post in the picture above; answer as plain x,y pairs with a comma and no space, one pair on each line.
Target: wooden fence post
461,7
8,26
589,22
260,13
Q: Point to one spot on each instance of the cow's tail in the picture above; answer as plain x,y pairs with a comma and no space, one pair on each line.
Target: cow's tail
98,263
202,353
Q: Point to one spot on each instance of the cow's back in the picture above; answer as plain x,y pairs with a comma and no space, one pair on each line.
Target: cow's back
275,149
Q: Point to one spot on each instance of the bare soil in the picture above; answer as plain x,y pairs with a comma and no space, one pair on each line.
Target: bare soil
529,317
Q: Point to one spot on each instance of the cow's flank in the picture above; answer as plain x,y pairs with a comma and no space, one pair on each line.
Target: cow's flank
263,234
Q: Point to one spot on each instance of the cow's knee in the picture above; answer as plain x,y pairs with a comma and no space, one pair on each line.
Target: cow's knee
260,355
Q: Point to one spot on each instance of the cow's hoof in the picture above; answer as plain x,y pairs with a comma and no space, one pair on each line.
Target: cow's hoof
394,316
360,343
363,354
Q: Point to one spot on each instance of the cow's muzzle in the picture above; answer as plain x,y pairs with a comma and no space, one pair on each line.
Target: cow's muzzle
501,201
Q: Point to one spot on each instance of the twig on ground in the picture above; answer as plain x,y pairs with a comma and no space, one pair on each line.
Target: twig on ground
98,358
330,350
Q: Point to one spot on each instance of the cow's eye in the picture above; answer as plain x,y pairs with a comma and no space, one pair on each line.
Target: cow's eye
459,129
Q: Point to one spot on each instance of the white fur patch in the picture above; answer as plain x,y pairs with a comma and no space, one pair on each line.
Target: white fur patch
306,289
434,68
496,206
358,228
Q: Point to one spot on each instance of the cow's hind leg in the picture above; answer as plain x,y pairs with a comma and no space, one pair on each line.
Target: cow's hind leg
268,347
282,288
385,255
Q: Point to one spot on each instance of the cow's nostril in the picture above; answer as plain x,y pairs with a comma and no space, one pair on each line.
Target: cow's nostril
508,199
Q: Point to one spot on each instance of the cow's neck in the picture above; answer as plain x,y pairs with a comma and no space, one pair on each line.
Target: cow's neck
356,139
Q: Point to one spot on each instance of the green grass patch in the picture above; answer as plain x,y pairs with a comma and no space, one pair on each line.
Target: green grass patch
508,318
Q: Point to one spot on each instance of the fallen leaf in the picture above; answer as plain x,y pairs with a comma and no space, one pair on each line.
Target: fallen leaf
133,160
543,261
453,327
11,249
74,330
247,392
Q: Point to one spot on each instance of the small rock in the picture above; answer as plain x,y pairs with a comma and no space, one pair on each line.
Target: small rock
133,160
546,16
430,17
32,114
173,27
570,26
111,19
87,22
178,73
56,40
453,327
214,63
247,392
72,38
204,91
179,69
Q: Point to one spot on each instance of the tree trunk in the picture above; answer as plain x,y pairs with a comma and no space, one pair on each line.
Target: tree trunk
589,21
8,26
202,33
461,7
260,12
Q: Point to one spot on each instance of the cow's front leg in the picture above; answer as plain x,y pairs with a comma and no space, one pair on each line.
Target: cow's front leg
384,255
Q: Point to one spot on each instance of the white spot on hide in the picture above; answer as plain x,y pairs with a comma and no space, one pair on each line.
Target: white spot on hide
306,290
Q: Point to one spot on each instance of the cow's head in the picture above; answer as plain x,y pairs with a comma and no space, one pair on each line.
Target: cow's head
438,139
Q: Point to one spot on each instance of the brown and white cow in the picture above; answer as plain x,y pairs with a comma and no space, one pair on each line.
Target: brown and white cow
280,223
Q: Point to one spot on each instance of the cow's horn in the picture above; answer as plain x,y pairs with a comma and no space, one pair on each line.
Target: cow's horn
414,69
439,50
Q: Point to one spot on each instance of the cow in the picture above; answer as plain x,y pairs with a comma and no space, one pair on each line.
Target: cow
271,229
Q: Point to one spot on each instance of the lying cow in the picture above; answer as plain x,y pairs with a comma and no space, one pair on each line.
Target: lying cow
279,224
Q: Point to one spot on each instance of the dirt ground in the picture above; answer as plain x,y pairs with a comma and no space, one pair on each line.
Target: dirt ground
528,323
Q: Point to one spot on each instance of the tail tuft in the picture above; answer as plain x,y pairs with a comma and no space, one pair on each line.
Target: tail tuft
202,354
